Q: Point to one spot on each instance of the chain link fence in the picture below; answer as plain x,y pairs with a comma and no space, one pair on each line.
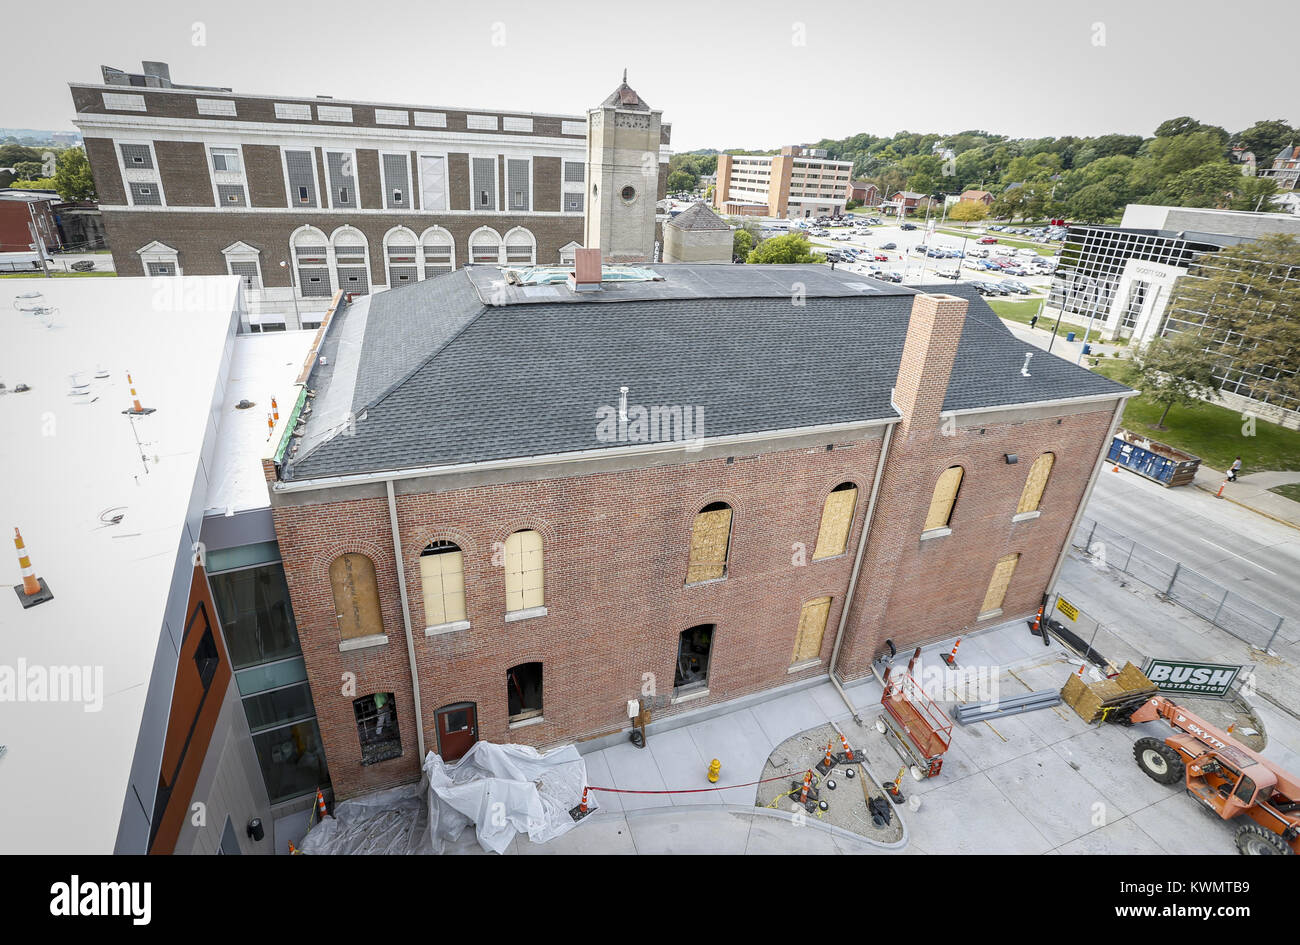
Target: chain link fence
1203,596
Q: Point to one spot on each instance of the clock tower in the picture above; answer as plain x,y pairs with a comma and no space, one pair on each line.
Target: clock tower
624,176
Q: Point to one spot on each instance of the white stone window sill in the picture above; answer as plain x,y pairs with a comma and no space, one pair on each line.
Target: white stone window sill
990,614
806,664
528,614
524,723
441,628
936,533
690,696
362,643
709,581
1026,516
842,554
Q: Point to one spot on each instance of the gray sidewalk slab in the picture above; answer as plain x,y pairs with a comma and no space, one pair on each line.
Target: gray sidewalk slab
1251,491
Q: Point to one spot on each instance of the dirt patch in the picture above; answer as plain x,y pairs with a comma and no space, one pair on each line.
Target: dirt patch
846,802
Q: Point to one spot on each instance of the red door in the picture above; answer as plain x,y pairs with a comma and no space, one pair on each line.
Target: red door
457,730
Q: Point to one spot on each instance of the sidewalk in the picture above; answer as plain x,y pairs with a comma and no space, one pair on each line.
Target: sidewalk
1251,492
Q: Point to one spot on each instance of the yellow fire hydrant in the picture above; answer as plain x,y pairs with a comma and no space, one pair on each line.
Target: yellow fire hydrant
714,767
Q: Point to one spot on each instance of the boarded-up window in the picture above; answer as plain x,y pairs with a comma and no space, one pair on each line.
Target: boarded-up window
1006,567
1032,494
442,573
812,627
710,539
945,494
524,579
356,596
837,520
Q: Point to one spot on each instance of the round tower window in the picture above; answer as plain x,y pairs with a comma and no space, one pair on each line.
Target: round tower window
629,193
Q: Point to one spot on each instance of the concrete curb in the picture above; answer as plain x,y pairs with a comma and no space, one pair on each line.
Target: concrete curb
1251,508
778,815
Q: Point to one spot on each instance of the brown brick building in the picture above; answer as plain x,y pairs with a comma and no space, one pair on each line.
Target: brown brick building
505,511
350,196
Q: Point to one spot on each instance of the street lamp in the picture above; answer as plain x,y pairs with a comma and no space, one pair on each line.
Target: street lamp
293,290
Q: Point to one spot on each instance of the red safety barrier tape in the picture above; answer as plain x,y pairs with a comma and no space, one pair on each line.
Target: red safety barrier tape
779,777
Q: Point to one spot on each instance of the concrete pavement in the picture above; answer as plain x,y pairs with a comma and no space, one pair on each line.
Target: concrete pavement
1251,492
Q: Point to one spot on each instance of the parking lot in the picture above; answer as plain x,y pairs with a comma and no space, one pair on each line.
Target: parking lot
918,268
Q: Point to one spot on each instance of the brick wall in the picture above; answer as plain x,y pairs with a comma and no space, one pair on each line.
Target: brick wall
184,169
102,156
616,548
265,173
200,237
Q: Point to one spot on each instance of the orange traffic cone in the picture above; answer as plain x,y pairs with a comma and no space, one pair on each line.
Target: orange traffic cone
320,804
848,752
827,762
581,811
951,658
136,410
33,590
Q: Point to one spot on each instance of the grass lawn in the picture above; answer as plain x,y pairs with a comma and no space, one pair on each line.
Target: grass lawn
1211,432
1290,491
1022,309
56,275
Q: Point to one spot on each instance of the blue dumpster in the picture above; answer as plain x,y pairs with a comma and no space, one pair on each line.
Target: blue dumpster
1087,349
1158,462
1069,336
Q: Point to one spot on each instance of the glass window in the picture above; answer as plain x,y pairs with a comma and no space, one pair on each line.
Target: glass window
377,728
275,708
256,615
292,759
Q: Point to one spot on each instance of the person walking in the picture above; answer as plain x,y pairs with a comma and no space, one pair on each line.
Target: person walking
1033,320
1234,469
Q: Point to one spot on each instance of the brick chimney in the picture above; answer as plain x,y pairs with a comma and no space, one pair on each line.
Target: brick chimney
929,352
587,271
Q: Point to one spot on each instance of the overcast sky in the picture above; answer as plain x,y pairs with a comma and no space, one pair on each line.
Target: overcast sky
746,73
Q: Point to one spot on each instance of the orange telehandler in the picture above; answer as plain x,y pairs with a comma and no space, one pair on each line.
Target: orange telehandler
1222,774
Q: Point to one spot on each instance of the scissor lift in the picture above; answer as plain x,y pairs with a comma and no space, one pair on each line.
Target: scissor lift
913,723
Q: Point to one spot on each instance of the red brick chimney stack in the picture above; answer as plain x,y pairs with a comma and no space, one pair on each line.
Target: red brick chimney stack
928,356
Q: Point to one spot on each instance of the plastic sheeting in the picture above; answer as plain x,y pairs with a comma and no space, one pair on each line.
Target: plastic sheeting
503,790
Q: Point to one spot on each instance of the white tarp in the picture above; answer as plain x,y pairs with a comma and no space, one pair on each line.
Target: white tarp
504,790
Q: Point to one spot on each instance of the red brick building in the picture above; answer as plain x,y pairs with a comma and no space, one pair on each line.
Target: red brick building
657,489
19,211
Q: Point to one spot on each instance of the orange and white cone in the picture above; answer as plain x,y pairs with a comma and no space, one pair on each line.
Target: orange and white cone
320,804
951,658
828,761
33,590
848,752
135,399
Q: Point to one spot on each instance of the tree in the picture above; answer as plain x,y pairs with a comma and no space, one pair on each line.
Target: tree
1175,370
72,177
1265,139
742,244
39,183
681,181
791,248
969,211
29,169
1247,299
11,154
1093,204
1209,185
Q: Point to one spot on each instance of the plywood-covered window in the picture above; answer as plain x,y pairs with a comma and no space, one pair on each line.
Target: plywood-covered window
945,494
356,596
1001,580
1032,494
524,578
837,520
710,540
442,574
812,627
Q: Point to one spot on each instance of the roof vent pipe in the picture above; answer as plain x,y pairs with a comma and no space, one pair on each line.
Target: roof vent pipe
622,405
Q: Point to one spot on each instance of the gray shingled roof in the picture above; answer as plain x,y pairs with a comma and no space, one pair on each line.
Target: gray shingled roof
698,217
445,379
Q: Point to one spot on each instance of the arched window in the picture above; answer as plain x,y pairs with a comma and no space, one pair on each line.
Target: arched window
521,248
356,596
400,257
945,494
837,520
1035,483
485,246
710,542
351,261
309,250
524,692
525,582
439,251
442,574
1001,580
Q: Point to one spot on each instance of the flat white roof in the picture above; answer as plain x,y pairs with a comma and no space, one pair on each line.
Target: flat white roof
71,464
264,366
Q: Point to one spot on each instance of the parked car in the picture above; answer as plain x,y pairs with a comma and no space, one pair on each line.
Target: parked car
908,226
890,246
1019,288
1026,251
83,265
987,240
881,257
949,272
894,276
